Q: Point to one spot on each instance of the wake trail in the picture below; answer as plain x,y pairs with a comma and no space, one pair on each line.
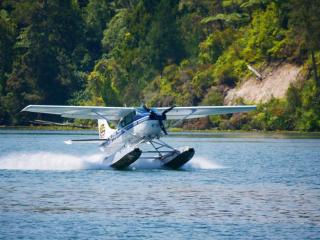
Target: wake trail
201,162
62,161
51,161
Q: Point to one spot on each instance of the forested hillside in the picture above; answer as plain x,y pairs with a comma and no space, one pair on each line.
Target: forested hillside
162,53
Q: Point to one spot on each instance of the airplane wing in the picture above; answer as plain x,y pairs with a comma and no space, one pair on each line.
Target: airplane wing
203,111
116,113
82,112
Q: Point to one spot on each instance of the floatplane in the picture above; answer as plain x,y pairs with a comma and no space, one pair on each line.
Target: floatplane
136,126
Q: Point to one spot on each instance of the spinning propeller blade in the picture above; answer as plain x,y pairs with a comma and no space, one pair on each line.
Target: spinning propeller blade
164,117
146,108
159,117
167,110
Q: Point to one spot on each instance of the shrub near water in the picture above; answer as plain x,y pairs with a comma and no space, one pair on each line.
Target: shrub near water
299,111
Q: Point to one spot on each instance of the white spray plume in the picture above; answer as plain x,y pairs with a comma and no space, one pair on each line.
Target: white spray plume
61,161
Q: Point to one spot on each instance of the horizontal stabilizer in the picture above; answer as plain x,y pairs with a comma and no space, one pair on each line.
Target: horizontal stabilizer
84,141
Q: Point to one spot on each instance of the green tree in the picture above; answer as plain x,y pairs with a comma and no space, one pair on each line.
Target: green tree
104,84
45,70
305,20
97,15
7,39
164,37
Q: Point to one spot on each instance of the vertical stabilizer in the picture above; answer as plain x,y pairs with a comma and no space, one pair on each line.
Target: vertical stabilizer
104,129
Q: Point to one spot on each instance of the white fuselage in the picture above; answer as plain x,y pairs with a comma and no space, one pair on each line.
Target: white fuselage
138,131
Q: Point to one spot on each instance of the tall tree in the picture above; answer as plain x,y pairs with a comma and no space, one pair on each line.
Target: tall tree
45,70
164,37
97,15
305,19
7,38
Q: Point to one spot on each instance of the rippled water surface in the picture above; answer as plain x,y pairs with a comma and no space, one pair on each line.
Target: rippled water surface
237,186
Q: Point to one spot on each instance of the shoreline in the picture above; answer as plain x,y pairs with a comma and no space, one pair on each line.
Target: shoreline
172,130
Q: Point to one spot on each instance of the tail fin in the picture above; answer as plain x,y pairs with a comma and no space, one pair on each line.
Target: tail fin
104,129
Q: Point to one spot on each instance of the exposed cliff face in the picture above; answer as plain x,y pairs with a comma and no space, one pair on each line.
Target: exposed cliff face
275,83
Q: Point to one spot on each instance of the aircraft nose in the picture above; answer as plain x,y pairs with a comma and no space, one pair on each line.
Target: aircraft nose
155,125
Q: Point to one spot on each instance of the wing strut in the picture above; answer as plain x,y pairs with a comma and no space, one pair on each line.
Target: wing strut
100,115
185,117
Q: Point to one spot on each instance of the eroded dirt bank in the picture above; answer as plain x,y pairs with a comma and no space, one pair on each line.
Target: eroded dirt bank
275,83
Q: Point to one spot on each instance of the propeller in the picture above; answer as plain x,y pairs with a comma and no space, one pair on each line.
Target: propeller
166,111
146,108
164,117
160,118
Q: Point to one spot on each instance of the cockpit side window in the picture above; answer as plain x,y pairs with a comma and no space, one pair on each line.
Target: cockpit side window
126,120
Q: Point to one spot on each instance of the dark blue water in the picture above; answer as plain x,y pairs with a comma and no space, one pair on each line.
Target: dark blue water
238,186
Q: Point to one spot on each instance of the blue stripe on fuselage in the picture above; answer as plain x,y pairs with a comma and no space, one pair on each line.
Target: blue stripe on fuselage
138,119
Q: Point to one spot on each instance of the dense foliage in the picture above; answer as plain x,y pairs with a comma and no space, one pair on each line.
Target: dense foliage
161,52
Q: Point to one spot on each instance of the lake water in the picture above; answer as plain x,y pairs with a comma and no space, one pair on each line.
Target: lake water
238,186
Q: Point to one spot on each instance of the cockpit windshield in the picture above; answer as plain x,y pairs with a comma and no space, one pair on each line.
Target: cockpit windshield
126,120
